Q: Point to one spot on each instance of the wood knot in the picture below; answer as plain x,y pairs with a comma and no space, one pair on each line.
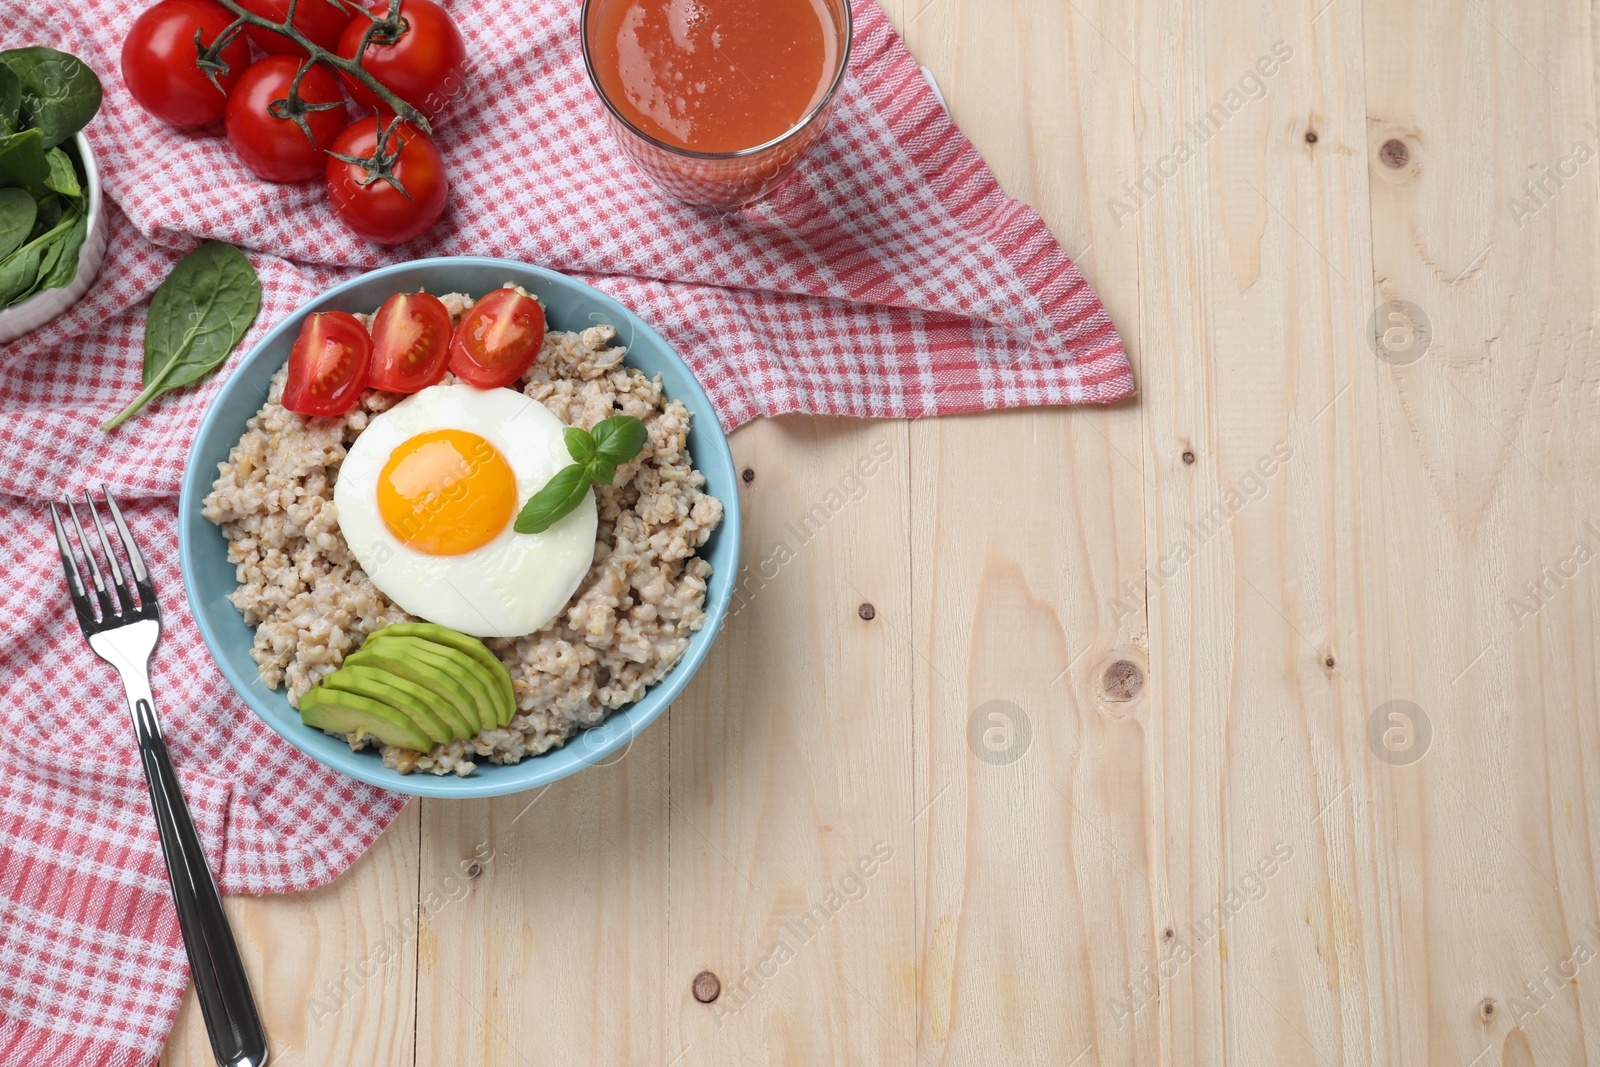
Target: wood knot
1394,153
707,987
749,475
1311,137
867,612
1328,663
473,869
1188,456
1486,1009
1168,934
1123,680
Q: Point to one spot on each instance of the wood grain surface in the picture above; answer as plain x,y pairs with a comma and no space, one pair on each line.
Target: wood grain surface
1251,722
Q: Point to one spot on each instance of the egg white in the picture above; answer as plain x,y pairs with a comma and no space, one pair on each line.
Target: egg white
514,585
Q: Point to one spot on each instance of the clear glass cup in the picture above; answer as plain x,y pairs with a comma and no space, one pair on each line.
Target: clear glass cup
722,180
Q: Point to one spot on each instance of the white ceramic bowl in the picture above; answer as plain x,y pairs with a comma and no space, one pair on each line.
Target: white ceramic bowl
44,306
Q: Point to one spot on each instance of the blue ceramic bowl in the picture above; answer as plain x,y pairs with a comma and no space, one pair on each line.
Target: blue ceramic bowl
208,577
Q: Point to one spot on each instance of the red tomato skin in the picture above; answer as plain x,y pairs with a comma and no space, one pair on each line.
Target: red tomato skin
427,67
506,320
322,21
276,149
158,61
378,211
332,345
428,329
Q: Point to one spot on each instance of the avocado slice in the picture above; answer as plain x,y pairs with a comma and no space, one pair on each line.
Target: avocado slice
453,701
408,698
443,635
347,713
483,693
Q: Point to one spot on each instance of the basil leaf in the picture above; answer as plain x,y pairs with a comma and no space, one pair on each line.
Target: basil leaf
580,444
196,318
556,500
60,94
10,100
22,161
602,470
619,438
63,176
17,214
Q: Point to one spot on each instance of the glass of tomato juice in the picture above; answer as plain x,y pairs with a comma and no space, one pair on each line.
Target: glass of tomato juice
717,100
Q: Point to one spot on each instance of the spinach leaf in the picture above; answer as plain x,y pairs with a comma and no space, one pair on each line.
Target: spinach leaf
60,94
63,176
196,318
49,253
22,160
50,208
58,255
17,214
66,267
10,100
558,497
18,273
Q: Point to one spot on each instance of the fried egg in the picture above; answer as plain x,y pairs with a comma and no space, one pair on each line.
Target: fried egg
427,498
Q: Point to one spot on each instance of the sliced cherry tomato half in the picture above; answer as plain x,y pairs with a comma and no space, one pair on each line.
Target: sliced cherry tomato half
498,340
328,364
410,343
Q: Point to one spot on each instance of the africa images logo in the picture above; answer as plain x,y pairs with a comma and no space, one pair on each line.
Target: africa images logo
1251,86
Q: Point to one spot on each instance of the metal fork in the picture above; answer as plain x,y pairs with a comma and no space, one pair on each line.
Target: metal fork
124,634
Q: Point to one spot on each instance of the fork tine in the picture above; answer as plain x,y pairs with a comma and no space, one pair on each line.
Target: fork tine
88,554
123,593
69,562
129,545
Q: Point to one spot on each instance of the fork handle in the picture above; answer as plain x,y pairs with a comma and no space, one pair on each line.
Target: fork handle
237,1039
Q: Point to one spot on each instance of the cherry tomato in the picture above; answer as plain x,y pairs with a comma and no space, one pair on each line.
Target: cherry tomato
367,201
277,149
410,343
328,364
426,67
498,340
322,21
158,61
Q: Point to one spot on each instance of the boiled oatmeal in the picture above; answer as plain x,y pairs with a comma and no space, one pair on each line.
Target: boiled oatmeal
629,622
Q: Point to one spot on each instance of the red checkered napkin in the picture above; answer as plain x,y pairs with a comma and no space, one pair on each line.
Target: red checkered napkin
890,278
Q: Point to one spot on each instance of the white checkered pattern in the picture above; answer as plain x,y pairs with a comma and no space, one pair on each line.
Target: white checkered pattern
891,277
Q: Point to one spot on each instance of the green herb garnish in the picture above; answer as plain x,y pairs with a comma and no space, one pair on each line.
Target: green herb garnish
597,454
196,317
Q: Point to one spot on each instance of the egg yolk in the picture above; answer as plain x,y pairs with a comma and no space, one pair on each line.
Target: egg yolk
446,492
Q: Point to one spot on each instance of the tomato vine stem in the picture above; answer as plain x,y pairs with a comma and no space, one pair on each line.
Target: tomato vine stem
391,25
380,165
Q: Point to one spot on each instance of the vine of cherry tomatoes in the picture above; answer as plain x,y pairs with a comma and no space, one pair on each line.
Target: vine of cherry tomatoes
286,117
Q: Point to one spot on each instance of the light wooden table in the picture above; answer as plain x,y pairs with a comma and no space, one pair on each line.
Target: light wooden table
1197,832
